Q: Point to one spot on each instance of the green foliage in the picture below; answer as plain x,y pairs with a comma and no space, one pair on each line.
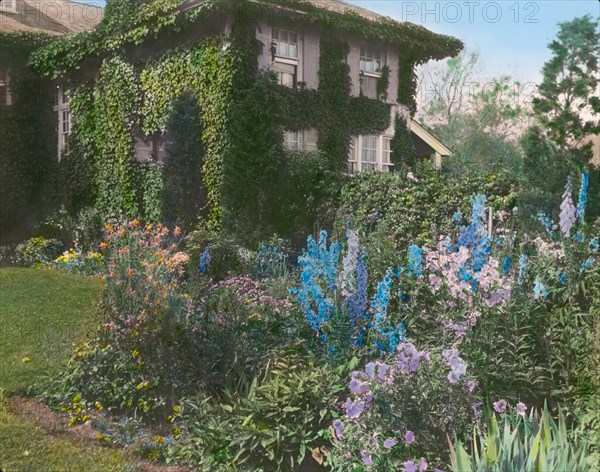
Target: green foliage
404,154
273,427
38,250
117,97
28,125
393,211
183,193
149,186
521,445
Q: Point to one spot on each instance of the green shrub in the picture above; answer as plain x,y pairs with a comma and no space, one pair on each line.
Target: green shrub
521,445
272,428
38,250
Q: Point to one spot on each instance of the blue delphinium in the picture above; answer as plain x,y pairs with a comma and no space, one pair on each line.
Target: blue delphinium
579,237
457,217
522,268
539,290
583,195
204,261
594,244
562,277
587,264
318,263
475,236
357,302
415,260
478,214
546,222
506,266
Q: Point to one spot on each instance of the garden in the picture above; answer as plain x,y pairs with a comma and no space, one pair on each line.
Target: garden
242,307
476,350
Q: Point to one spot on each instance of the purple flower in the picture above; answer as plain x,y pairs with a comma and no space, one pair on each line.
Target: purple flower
354,409
338,428
409,437
410,466
370,369
471,385
521,409
500,406
366,458
383,369
389,443
423,464
358,388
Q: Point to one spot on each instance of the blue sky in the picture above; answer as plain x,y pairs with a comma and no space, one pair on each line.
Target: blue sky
510,35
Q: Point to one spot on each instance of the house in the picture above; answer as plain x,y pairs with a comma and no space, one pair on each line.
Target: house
347,75
292,51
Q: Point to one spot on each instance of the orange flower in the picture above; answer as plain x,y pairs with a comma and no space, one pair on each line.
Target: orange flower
103,245
177,231
135,223
130,272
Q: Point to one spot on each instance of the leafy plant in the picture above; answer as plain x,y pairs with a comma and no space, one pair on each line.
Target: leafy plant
521,444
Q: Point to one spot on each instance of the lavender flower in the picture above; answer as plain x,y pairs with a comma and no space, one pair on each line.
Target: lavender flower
458,367
366,458
358,388
408,358
338,428
410,466
521,409
423,464
583,195
409,437
500,406
354,408
471,385
567,209
389,443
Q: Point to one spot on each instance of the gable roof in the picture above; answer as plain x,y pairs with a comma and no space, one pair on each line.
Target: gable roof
54,17
428,137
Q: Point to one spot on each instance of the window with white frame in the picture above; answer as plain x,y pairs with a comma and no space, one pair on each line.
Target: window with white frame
369,153
292,141
303,140
371,59
285,43
62,105
286,74
4,84
368,86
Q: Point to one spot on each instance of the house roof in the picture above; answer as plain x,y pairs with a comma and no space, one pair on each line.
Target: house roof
429,138
55,17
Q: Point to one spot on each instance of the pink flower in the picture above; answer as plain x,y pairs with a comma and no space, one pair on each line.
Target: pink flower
366,458
521,409
500,406
410,466
389,443
409,437
423,464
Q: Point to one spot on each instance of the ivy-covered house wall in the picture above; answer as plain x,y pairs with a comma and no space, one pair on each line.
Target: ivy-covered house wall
133,71
27,136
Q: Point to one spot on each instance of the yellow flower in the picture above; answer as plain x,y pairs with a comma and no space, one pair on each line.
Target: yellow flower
26,360
98,406
135,354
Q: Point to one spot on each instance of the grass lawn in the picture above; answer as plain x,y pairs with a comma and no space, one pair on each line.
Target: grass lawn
42,313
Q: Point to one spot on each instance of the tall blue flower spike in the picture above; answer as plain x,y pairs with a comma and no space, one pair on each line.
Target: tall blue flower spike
522,268
583,195
204,261
539,290
546,222
415,260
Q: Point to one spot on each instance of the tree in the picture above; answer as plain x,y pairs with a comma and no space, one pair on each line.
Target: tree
566,109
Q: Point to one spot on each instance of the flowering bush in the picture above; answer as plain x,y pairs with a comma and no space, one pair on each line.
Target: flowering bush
37,251
74,260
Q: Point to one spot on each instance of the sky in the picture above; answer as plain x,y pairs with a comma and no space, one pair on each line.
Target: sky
511,36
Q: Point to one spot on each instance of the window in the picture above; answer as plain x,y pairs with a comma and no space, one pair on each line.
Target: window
4,93
285,43
368,153
304,140
286,74
368,86
292,141
386,154
62,105
371,60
